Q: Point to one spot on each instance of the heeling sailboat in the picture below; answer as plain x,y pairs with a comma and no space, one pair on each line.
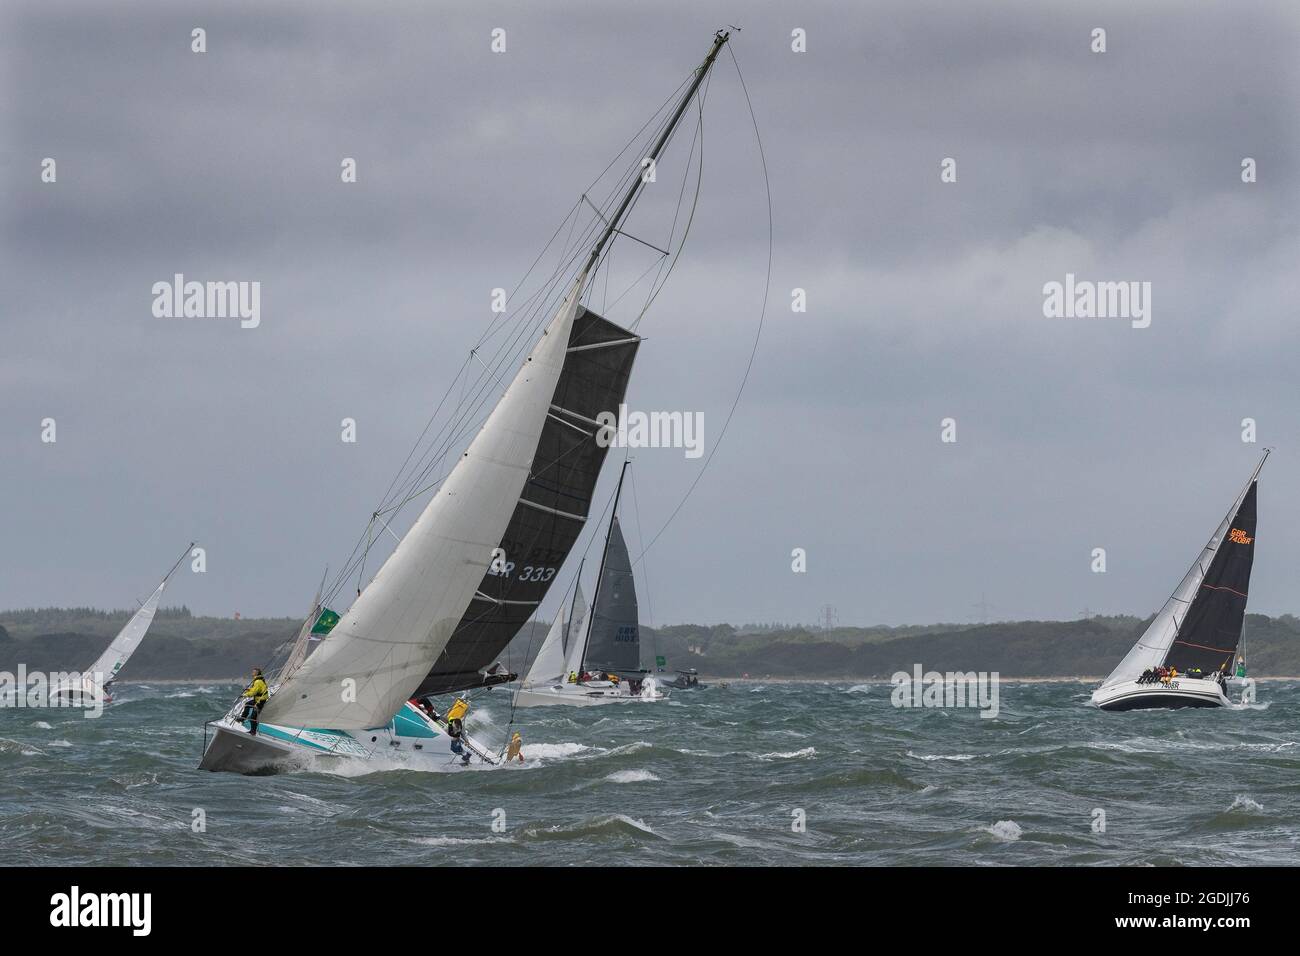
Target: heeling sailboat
1195,636
609,644
94,682
478,560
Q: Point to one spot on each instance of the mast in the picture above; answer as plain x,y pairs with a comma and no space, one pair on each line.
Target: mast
701,71
591,618
184,554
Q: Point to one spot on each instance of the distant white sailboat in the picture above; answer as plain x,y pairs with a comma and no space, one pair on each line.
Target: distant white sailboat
94,684
477,562
605,645
1185,656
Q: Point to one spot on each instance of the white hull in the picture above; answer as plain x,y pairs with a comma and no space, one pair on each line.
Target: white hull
1180,692
583,695
410,738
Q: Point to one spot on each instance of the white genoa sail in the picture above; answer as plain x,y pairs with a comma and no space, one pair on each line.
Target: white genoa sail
577,641
386,643
1153,646
549,661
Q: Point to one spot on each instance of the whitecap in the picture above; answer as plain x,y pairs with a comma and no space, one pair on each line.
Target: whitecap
631,776
554,750
1008,830
787,754
958,757
457,841
1246,805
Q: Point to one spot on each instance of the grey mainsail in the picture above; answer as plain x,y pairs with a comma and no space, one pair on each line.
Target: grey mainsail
614,642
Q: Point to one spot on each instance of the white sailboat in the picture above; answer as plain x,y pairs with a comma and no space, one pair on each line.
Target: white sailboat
93,685
476,563
603,661
1185,656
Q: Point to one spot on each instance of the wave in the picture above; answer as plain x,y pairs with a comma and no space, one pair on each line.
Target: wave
631,776
785,755
458,841
1006,830
611,825
8,746
554,751
955,757
1245,804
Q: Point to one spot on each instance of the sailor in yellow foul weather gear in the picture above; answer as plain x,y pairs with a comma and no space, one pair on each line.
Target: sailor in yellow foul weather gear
455,727
257,694
515,751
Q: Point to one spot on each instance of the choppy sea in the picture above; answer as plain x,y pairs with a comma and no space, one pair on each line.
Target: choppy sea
750,773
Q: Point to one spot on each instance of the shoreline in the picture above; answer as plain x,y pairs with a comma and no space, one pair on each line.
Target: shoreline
706,679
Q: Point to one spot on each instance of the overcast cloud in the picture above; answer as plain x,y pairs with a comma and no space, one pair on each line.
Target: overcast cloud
924,299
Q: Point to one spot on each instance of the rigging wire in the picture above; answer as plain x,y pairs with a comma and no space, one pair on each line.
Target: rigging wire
512,336
767,288
444,660
413,479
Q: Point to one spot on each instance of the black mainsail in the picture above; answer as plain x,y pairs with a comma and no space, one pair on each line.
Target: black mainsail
1211,631
556,498
551,511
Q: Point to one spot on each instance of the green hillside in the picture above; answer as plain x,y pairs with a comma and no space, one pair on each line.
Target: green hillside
181,645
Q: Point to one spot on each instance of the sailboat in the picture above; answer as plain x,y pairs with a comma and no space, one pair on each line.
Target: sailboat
93,685
605,646
476,563
1185,655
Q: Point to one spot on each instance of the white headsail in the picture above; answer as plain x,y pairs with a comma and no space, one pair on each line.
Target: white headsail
577,646
549,661
1153,646
386,643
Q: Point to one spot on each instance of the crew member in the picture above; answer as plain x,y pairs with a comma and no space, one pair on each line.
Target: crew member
515,751
257,694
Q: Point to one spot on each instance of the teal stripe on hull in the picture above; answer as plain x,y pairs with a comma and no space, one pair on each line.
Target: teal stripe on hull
297,738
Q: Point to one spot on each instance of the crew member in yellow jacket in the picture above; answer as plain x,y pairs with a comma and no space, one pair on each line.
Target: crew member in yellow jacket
257,694
456,726
515,750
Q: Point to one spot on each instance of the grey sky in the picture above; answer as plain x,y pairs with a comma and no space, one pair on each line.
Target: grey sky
924,298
